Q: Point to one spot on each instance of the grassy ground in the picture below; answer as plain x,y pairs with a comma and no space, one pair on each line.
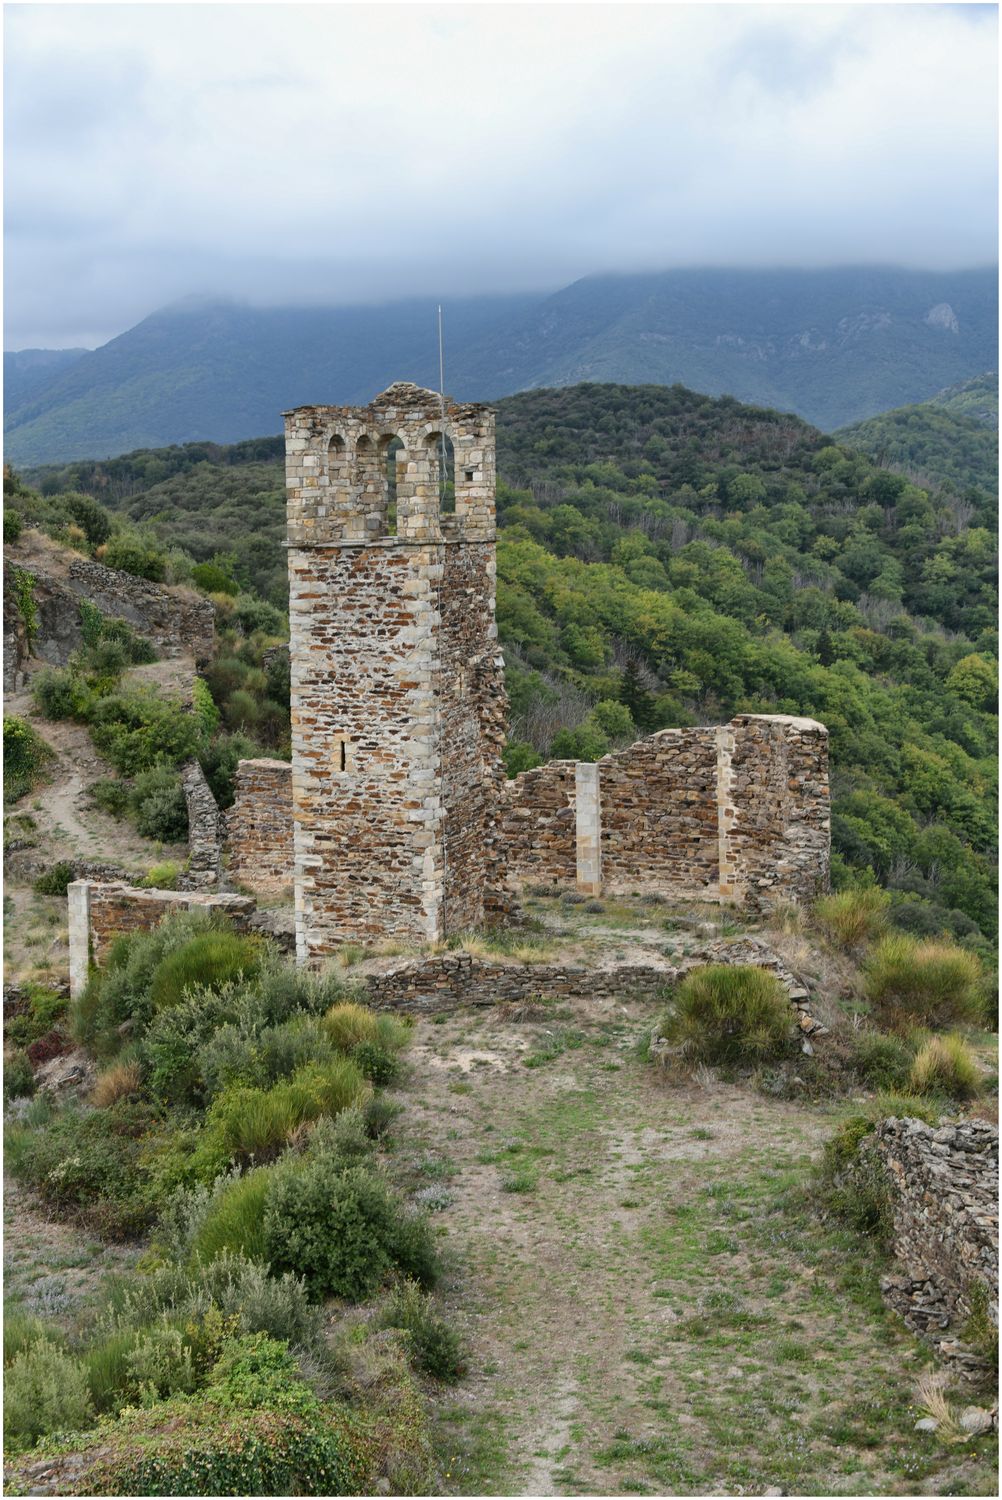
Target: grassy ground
649,1305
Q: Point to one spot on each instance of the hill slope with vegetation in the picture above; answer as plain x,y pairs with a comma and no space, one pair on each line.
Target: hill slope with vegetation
950,440
835,345
667,559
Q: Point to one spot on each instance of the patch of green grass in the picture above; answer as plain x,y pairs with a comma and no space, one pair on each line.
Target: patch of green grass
520,1180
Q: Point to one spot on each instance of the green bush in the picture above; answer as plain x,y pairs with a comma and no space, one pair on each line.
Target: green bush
54,880
209,961
111,796
933,984
58,693
90,1163
162,877
45,1391
730,1013
45,1008
854,917
342,1230
256,1123
377,1062
434,1346
158,803
212,579
219,762
348,1023
882,1061
12,525
137,729
131,553
18,1076
234,1223
121,992
257,614
21,1331
945,1065
25,757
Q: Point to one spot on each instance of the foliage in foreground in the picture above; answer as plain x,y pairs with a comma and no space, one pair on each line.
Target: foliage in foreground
729,1013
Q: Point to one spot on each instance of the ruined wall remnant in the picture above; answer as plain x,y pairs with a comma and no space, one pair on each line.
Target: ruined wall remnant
944,1184
99,911
398,700
736,813
259,827
177,620
539,825
205,848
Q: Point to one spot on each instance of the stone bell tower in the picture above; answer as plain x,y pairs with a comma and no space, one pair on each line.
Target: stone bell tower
398,699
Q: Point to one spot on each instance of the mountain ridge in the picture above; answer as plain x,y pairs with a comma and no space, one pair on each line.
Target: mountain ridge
833,346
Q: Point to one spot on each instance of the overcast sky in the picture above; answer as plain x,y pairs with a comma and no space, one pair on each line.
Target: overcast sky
367,152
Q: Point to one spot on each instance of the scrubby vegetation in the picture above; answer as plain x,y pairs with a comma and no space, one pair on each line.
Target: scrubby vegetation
729,1013
234,1123
25,758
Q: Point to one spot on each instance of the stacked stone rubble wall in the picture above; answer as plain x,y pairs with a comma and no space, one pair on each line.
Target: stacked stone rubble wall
538,828
778,829
659,815
259,827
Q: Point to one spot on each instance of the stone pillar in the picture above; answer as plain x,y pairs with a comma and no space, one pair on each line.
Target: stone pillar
728,880
205,852
78,907
588,813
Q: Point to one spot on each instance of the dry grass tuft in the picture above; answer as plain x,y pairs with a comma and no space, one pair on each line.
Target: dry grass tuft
930,1395
118,1082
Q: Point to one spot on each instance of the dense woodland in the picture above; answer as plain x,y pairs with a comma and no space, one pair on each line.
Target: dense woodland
950,440
669,559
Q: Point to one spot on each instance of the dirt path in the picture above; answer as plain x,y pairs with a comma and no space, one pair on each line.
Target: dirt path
642,1312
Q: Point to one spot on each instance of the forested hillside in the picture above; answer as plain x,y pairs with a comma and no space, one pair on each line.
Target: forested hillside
668,559
835,345
951,439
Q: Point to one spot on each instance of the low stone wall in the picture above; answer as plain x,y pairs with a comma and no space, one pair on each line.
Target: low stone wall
449,980
945,1183
538,824
259,834
98,912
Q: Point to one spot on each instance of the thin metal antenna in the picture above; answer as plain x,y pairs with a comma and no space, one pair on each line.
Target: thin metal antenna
442,473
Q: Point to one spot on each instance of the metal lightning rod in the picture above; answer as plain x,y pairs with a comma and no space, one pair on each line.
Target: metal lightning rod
443,477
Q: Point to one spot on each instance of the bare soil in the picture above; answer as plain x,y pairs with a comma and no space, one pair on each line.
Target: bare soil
648,1305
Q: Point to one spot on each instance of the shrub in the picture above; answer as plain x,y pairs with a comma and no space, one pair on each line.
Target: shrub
118,1082
54,880
12,525
882,1061
131,553
926,983
234,1222
137,729
945,1065
18,1076
121,992
209,961
853,1187
111,796
89,1163
25,757
347,1024
212,579
21,1330
161,811
251,1122
162,877
342,1230
854,917
730,1013
377,1062
434,1346
45,1390
58,693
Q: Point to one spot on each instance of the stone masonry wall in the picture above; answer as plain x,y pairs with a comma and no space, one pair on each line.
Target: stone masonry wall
945,1186
659,815
259,827
397,691
735,813
98,912
538,824
777,839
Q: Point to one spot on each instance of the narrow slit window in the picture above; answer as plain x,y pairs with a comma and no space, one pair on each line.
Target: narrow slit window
342,750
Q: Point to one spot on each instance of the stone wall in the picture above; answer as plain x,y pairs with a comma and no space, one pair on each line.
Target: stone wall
259,827
450,980
735,813
945,1183
205,849
538,825
99,911
659,815
178,621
